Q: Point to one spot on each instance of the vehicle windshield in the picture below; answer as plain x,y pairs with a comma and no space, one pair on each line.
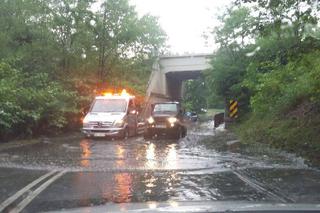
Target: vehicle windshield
109,105
158,108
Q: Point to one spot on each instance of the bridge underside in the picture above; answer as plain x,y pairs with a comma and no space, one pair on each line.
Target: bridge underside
175,82
168,75
174,88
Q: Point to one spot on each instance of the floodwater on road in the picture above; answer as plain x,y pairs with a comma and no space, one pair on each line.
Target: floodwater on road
75,153
194,168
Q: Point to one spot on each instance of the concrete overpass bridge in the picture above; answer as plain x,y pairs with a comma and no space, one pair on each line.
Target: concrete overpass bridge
169,73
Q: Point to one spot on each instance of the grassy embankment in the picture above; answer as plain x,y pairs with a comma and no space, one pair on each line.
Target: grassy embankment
300,136
297,132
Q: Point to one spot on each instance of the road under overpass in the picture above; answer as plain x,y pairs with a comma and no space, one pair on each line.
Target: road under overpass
169,73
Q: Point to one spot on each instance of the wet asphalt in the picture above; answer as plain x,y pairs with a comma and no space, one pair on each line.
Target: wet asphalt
206,165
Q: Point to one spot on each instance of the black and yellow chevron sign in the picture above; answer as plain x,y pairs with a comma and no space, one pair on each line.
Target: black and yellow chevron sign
233,109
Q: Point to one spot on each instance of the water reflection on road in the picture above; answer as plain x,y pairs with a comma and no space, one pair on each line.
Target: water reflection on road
122,186
171,158
134,154
138,170
84,144
150,156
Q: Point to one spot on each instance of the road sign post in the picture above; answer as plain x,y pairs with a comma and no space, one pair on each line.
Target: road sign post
233,109
232,112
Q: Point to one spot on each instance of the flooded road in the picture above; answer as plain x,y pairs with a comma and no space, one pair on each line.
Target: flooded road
207,165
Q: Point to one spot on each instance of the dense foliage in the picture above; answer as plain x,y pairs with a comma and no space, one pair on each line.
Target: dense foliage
197,96
54,56
268,59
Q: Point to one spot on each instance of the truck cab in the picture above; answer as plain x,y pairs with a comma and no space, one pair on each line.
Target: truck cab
167,118
111,115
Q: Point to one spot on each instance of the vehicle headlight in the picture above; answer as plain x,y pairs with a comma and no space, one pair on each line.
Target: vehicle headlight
150,120
118,123
85,122
172,120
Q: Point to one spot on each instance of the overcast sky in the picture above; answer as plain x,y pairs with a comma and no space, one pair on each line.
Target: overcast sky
184,21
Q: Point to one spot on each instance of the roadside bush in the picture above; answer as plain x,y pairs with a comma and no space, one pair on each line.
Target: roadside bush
31,104
284,88
285,107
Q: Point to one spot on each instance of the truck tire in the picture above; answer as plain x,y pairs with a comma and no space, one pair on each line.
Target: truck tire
147,134
124,135
135,131
184,132
178,134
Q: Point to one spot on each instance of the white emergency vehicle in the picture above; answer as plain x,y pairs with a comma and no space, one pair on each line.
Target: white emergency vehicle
111,115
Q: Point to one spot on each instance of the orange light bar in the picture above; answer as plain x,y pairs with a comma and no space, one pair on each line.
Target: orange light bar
107,94
124,93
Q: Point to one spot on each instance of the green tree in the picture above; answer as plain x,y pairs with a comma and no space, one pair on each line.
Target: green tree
267,59
230,61
51,52
195,97
123,38
31,104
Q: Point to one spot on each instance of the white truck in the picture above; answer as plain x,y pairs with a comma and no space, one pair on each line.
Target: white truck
111,115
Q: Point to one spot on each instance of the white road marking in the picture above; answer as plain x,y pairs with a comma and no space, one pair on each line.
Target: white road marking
261,188
14,197
36,192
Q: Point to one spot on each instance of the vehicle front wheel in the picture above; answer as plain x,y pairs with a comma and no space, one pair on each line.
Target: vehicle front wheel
178,134
147,135
125,134
87,136
184,132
